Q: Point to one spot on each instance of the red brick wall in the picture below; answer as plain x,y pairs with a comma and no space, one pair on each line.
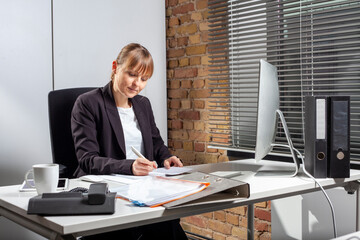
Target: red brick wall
188,111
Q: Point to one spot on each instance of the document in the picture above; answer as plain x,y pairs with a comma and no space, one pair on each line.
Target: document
154,191
173,171
126,179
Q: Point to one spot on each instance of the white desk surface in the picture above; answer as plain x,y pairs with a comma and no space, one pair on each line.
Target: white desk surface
127,215
350,236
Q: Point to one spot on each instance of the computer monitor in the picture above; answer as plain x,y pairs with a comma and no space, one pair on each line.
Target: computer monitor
268,113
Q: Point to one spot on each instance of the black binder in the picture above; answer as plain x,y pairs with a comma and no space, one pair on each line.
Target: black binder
316,135
339,147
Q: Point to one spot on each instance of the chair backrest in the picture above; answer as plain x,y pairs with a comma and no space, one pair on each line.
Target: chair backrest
60,104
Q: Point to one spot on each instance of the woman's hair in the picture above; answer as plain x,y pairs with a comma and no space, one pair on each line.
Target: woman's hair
137,58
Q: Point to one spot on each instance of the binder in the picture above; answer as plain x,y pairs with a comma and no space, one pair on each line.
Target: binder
316,135
220,189
153,191
339,147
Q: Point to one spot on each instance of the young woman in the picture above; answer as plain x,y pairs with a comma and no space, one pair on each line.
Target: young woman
107,121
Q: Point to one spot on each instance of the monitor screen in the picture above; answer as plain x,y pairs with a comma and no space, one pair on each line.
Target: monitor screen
268,103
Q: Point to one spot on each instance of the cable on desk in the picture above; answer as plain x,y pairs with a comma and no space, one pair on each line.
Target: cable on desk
322,189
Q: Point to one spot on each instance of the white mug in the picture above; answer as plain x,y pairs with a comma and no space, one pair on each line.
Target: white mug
46,177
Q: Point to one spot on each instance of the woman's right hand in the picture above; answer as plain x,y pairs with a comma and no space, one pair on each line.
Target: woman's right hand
142,167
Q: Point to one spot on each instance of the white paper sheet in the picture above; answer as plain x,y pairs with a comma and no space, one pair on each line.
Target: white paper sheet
173,171
126,179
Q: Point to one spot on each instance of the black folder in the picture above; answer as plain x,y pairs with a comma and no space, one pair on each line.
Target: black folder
339,147
316,135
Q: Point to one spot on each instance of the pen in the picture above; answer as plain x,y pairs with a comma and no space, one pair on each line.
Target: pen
139,154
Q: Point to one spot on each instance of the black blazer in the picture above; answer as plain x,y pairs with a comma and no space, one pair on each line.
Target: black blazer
98,134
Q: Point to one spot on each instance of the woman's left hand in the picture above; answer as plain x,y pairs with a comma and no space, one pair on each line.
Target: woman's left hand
172,162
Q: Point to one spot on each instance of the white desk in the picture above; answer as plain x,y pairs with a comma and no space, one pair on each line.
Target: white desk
13,204
350,236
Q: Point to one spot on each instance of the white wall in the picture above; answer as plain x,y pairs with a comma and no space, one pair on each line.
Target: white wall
25,80
88,34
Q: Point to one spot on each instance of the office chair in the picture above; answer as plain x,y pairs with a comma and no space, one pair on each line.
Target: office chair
60,103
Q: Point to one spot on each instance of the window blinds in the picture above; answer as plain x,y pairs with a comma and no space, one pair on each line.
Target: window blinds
314,44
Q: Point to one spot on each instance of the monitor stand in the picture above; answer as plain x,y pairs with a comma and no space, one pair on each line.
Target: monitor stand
284,173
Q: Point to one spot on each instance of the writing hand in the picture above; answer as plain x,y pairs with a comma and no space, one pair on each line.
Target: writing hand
142,167
172,162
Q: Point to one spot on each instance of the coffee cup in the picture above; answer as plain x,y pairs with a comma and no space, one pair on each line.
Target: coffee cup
46,177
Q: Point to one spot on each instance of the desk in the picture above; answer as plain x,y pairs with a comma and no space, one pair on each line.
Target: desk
350,236
13,204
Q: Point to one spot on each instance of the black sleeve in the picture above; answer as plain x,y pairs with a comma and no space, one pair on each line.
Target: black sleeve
84,121
161,152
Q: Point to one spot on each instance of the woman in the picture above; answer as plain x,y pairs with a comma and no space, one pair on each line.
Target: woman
107,121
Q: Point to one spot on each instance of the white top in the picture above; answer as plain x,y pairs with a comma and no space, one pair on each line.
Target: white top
132,133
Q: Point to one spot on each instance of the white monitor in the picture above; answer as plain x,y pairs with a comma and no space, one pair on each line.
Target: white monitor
268,103
268,111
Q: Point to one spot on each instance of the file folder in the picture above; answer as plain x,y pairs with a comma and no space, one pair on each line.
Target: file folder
339,147
220,190
316,135
153,191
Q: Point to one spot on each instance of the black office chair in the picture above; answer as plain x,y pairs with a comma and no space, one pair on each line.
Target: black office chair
60,104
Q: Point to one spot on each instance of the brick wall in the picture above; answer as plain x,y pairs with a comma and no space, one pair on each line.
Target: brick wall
188,111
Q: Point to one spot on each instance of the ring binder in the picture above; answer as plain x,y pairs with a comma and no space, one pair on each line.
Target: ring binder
339,147
316,135
327,136
220,189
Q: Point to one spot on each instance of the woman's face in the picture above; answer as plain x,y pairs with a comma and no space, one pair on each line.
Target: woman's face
128,82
